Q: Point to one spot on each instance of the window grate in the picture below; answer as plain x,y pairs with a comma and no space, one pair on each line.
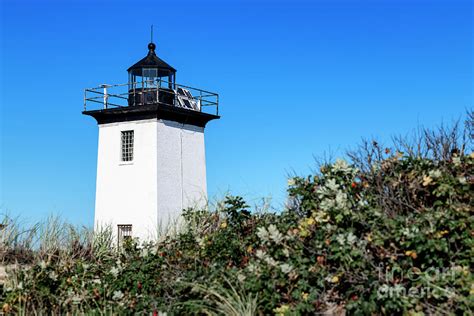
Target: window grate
127,145
124,233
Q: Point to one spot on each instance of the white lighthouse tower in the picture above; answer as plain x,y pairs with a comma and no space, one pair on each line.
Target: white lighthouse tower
151,157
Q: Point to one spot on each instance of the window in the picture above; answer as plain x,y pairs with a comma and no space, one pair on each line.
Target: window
124,233
127,145
150,72
149,76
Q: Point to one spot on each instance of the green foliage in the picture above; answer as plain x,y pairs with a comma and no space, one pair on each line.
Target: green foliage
395,239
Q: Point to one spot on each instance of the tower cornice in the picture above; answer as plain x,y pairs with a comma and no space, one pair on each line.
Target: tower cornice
150,111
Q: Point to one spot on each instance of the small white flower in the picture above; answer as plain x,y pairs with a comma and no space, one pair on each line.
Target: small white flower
117,295
241,277
275,235
286,252
320,216
435,174
201,242
260,254
456,161
327,204
329,188
271,262
341,239
351,238
252,268
42,265
286,268
341,199
329,227
322,191
97,281
410,231
114,271
341,165
332,185
462,180
262,233
85,266
53,275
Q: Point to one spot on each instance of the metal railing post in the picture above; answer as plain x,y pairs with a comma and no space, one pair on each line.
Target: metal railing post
134,95
175,101
200,101
157,93
142,98
106,96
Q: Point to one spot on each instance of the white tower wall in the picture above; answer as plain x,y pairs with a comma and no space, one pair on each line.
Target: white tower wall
167,174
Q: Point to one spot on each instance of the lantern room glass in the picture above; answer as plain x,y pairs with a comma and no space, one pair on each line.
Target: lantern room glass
150,78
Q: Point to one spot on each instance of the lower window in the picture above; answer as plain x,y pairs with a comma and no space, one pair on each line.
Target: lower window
124,233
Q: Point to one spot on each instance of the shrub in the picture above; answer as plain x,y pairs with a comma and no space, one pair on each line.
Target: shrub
390,233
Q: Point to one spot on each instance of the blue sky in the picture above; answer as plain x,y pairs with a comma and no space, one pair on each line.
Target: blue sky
296,79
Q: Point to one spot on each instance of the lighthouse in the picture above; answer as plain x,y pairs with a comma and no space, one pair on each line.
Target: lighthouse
151,160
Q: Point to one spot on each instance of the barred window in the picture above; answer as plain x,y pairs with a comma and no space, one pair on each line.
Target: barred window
124,233
127,145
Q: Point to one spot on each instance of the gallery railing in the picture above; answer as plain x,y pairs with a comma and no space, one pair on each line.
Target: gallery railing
151,92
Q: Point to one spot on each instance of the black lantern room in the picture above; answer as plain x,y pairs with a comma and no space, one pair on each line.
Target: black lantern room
151,92
148,74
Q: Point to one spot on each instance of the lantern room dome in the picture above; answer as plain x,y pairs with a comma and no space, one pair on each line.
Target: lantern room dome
151,61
